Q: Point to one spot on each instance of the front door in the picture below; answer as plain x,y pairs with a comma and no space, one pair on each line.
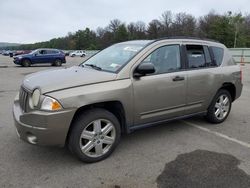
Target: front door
161,95
41,57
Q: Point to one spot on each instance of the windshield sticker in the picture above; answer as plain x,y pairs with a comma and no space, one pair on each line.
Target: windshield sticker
114,65
133,49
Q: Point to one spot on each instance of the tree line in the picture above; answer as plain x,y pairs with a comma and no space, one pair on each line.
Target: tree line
231,29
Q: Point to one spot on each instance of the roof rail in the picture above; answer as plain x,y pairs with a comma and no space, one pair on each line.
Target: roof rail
185,37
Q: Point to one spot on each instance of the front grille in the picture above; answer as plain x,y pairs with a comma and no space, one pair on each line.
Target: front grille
23,99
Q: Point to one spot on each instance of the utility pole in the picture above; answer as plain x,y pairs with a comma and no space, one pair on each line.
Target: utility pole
235,34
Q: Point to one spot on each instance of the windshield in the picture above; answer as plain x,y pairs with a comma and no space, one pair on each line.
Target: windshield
114,57
33,52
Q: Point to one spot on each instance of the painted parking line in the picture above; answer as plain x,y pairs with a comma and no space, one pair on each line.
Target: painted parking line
245,144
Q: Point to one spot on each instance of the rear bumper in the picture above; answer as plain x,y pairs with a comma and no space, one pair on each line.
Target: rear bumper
239,87
42,128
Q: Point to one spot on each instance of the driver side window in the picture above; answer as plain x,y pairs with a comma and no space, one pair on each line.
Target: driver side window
41,52
165,59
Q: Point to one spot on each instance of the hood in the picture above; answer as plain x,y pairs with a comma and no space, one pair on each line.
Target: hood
52,80
24,55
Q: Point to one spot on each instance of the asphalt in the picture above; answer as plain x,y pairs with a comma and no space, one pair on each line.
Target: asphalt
190,153
202,168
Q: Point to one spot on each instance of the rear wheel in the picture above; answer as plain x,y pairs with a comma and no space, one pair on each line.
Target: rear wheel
26,63
220,107
58,62
94,135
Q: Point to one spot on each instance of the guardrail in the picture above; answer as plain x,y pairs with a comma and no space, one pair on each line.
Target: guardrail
91,52
241,55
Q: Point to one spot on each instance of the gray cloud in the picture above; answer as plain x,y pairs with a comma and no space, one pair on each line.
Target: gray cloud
28,21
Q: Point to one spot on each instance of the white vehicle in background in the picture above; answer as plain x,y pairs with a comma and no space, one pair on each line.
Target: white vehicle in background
80,53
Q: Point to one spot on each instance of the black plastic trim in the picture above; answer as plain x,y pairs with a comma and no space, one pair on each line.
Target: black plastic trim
151,124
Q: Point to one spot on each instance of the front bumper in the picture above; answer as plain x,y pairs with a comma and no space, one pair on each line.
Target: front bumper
41,127
17,61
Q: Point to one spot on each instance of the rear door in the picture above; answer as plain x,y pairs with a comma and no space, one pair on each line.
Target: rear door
52,55
201,77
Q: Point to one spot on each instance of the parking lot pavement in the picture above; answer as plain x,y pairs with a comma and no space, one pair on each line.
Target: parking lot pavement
190,152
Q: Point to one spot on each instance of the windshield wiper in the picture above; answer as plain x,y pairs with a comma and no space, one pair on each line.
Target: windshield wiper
93,66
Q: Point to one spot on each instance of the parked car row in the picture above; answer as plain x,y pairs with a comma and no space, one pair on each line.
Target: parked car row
54,57
14,53
20,52
71,53
6,52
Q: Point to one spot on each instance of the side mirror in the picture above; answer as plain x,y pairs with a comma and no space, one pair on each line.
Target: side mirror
144,69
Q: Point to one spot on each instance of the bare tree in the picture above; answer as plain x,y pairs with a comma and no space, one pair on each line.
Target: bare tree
167,20
114,25
184,24
154,29
137,30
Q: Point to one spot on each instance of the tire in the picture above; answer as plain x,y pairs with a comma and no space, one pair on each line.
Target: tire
220,107
58,63
97,131
83,55
26,63
73,55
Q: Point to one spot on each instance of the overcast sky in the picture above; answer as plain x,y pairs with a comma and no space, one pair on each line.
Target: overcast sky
28,21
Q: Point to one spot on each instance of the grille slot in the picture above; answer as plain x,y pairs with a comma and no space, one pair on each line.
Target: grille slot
23,99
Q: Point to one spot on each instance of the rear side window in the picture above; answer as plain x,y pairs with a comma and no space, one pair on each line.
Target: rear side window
207,56
218,54
52,51
196,56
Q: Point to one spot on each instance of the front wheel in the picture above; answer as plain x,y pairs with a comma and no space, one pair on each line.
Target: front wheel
94,135
26,63
220,107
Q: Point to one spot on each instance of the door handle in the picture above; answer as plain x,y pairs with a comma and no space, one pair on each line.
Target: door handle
178,78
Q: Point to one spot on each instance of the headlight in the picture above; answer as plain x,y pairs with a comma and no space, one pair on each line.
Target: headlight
35,97
50,104
19,57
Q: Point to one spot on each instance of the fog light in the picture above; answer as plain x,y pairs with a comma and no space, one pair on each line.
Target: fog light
32,138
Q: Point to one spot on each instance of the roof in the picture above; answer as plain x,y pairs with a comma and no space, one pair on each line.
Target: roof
188,38
174,38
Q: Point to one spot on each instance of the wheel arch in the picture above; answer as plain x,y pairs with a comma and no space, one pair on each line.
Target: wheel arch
26,58
57,58
115,107
230,87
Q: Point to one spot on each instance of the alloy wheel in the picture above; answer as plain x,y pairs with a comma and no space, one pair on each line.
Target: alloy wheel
222,107
97,138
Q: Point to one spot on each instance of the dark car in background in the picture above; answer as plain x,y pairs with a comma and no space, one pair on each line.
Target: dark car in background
54,57
19,52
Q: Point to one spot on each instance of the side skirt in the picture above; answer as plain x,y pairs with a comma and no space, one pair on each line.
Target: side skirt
141,126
